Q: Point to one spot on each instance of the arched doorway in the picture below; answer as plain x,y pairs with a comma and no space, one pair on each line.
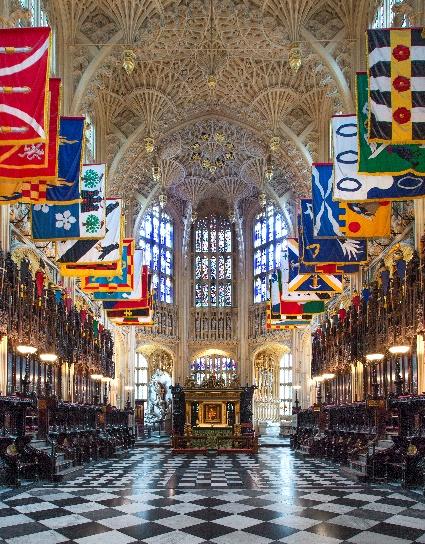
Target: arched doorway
273,396
153,375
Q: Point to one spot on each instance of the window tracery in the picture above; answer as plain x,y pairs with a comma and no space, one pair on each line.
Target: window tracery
286,384
38,17
270,232
156,239
90,141
219,366
213,262
384,14
141,377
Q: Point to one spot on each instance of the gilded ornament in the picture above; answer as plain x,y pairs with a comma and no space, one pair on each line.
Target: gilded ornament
162,199
129,61
212,81
294,57
262,199
149,144
274,143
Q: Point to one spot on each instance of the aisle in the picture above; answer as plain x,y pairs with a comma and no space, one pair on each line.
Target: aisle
153,497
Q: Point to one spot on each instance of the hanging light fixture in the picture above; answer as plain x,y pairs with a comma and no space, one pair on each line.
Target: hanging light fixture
399,350
372,357
328,376
294,57
25,349
156,173
274,143
149,144
269,173
96,376
212,81
232,216
262,199
129,61
48,357
162,198
194,216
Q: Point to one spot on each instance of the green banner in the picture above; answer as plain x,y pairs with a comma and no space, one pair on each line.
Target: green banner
376,158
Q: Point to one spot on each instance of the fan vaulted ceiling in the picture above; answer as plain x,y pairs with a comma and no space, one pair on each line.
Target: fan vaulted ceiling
211,139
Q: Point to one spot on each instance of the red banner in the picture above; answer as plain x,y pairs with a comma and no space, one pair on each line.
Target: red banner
24,73
37,161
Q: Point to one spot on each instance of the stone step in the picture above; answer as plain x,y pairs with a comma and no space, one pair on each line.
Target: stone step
68,473
353,474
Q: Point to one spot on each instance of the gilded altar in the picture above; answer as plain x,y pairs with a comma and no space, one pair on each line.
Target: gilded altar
212,403
213,413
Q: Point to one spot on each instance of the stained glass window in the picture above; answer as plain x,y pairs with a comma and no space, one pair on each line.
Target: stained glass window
141,377
90,141
270,233
213,262
39,18
286,384
156,240
219,366
384,14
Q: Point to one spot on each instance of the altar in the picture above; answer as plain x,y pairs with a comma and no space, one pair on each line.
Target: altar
212,407
213,415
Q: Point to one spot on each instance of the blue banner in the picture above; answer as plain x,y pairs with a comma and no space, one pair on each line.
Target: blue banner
67,187
327,251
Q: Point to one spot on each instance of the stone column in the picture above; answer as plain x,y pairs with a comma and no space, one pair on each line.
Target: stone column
419,208
419,229
183,298
243,275
420,349
5,246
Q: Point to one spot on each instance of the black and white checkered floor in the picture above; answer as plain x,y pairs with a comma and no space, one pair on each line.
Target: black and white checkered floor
152,497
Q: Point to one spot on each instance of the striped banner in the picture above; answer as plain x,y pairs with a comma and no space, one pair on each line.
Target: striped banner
396,69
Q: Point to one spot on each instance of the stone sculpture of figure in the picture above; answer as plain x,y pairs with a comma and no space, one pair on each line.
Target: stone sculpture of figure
205,327
214,326
220,328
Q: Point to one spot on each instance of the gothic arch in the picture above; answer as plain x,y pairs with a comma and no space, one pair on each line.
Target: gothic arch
90,72
335,70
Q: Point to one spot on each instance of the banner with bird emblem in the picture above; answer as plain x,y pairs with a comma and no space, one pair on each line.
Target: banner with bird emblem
350,186
327,250
93,252
396,58
341,219
82,220
121,284
24,81
302,279
383,158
